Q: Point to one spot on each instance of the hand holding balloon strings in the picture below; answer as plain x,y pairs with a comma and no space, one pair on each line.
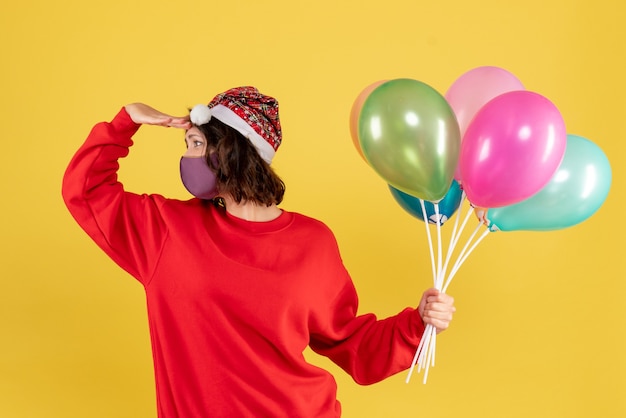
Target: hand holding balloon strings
438,213
425,353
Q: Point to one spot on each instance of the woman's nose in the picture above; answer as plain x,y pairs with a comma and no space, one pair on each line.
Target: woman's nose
193,152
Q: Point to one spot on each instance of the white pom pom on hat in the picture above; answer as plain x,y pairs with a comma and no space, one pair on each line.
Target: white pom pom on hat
200,114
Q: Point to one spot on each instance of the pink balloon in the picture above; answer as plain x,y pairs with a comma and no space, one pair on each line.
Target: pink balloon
511,149
473,90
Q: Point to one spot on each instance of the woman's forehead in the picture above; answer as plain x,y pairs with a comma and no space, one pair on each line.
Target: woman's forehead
194,131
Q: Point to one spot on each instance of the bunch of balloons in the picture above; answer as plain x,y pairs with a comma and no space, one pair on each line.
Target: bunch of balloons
507,149
488,140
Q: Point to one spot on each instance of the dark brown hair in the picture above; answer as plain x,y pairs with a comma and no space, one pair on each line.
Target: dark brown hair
240,170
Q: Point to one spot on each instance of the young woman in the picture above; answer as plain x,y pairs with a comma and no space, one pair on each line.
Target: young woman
236,287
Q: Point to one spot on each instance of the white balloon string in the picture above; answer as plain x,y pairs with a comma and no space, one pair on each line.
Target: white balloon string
433,347
430,355
430,242
427,355
458,264
428,333
460,257
423,341
428,351
469,241
467,216
456,221
426,340
453,236
424,355
439,279
456,239
456,234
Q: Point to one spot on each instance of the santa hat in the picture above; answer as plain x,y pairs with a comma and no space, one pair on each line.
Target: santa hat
249,112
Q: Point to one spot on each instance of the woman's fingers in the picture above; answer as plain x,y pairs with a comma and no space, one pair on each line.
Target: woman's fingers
439,310
144,114
180,122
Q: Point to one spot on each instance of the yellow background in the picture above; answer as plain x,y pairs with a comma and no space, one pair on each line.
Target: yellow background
541,316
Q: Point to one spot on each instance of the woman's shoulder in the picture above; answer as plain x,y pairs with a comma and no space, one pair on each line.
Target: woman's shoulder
184,208
308,222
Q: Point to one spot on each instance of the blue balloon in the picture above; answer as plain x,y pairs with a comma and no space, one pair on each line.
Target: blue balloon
447,206
574,193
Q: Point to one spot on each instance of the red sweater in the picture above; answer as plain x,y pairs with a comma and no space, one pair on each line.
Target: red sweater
233,304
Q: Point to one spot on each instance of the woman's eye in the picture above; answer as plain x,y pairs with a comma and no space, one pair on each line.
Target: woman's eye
198,143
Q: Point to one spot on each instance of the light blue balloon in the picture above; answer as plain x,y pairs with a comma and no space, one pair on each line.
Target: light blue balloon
447,206
574,193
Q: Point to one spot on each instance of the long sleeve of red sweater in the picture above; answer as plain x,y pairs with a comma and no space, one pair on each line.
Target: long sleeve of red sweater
367,348
99,204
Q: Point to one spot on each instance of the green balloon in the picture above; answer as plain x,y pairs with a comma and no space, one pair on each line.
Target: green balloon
410,136
574,193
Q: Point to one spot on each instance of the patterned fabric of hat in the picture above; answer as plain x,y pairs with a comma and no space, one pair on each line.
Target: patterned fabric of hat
253,114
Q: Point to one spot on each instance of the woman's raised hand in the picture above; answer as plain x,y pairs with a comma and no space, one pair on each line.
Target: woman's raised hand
146,115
